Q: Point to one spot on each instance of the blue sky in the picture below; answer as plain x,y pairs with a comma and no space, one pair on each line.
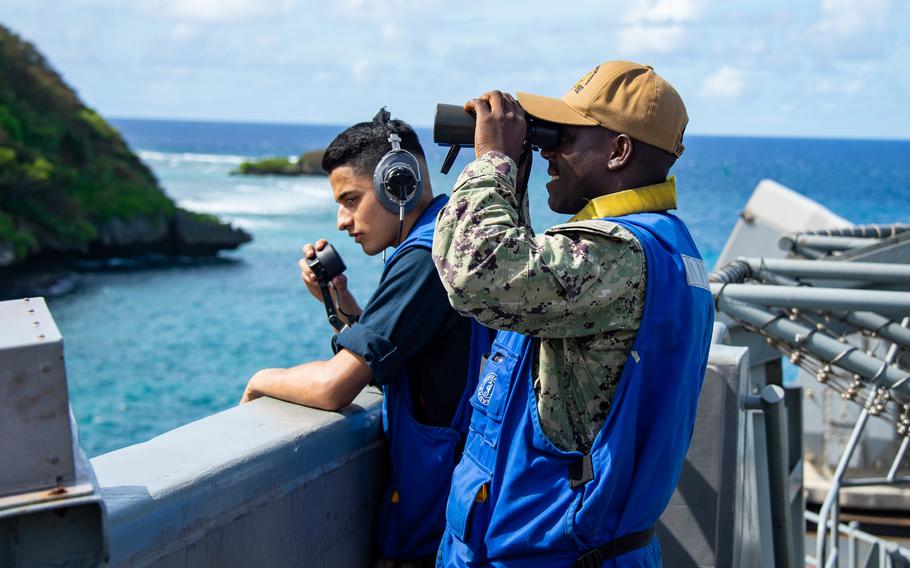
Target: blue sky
821,68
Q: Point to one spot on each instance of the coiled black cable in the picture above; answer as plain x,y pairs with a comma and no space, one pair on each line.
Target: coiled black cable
736,272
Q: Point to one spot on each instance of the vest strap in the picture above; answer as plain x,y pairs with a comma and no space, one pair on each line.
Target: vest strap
581,471
616,547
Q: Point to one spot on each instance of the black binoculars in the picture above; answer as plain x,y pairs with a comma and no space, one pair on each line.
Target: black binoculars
326,265
454,127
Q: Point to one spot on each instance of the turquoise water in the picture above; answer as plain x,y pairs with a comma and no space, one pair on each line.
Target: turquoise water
149,349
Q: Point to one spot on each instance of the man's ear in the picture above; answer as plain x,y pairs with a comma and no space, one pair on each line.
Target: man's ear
620,152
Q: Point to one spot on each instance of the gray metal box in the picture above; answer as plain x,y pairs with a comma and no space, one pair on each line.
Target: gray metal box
36,439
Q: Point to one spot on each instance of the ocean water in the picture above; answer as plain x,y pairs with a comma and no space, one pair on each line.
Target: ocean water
149,349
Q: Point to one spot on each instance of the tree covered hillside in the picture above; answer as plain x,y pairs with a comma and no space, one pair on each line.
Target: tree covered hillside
69,184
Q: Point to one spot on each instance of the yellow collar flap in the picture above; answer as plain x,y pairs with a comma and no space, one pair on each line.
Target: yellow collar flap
657,197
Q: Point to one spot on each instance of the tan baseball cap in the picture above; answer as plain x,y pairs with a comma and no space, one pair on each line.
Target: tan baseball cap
623,96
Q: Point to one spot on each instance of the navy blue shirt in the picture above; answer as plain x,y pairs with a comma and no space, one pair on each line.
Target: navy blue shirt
409,325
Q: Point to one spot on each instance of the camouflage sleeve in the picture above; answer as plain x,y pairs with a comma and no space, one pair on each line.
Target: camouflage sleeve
577,279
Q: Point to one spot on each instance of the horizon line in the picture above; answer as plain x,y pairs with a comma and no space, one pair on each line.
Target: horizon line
846,138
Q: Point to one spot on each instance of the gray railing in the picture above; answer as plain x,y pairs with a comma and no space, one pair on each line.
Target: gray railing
820,315
877,551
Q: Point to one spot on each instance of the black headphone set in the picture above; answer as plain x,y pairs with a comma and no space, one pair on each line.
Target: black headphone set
396,179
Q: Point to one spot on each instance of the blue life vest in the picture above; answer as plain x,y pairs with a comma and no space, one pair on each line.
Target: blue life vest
411,515
513,503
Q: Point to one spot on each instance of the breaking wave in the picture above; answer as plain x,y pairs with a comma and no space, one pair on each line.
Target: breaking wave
271,199
184,157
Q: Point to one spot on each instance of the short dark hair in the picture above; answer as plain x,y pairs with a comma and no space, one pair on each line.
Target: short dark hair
362,146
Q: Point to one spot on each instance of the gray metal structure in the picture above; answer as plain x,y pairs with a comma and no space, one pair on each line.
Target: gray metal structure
51,512
34,408
822,314
739,499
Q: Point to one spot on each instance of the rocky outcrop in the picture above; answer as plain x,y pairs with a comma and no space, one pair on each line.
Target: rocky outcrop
197,235
70,187
182,234
119,237
308,164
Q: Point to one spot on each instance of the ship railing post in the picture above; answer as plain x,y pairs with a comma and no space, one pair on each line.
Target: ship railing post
772,443
772,405
835,529
796,499
852,555
898,458
831,499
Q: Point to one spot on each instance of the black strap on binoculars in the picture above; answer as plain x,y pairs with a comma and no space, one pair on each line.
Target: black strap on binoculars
521,185
330,307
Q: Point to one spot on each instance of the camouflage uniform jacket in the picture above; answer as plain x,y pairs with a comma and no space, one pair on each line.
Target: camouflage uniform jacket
579,287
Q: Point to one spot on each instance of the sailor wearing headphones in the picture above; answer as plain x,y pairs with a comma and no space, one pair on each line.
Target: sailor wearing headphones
407,339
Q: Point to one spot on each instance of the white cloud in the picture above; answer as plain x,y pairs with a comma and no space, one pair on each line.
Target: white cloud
665,11
390,31
845,85
350,7
185,32
756,47
726,83
265,40
851,27
218,10
400,11
360,71
853,87
642,39
849,88
657,26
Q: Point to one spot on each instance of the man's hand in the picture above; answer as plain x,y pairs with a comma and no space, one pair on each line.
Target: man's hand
252,390
343,297
340,282
501,125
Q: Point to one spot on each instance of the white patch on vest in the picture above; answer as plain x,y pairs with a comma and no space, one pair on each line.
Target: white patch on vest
485,389
696,273
635,356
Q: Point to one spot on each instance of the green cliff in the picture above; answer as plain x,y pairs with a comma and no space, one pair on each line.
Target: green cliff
70,186
308,164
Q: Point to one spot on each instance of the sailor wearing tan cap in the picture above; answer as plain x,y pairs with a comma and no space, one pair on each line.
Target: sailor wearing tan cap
584,410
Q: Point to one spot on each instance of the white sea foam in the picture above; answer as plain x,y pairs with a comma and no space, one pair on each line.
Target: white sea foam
252,223
281,198
183,157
